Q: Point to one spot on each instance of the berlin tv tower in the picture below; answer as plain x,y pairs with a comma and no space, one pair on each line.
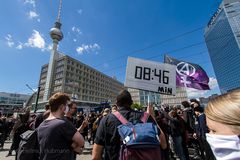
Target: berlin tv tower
56,35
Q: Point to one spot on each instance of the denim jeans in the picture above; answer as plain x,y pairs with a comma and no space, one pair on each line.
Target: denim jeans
178,147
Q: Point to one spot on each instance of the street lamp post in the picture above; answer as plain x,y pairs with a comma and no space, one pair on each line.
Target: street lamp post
36,103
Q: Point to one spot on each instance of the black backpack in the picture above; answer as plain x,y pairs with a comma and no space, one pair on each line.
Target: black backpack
29,146
189,119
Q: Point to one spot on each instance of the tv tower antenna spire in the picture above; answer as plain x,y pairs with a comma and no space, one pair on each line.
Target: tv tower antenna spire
59,11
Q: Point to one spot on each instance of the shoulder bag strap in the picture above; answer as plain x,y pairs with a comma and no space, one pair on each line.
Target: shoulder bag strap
120,117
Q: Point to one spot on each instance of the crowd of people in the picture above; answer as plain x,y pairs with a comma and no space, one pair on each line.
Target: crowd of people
211,132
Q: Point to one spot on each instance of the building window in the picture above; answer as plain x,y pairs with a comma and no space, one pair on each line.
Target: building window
59,75
59,81
61,62
59,69
57,88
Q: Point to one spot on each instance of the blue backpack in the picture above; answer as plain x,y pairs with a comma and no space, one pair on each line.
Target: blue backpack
139,141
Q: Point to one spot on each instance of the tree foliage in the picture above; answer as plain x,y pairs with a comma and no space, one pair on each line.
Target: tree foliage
137,106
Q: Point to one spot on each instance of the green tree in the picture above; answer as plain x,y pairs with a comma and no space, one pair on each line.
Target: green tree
137,106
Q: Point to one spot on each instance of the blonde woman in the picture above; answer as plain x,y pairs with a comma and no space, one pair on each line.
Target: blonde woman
223,120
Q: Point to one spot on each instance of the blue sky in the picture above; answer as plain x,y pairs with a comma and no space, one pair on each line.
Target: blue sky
101,33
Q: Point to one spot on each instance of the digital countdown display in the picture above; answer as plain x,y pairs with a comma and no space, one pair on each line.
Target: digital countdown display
151,76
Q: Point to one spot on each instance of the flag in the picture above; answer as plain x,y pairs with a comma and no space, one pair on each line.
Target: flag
189,74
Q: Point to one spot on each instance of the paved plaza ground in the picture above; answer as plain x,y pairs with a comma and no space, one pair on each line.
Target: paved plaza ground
85,156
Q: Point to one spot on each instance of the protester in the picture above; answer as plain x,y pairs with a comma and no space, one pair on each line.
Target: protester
202,128
200,135
107,136
176,131
223,120
19,128
194,103
188,116
91,132
106,111
80,119
163,123
57,136
84,132
42,116
114,108
10,123
3,131
70,115
95,125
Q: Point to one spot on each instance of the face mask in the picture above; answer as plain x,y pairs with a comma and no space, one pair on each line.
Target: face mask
225,147
66,109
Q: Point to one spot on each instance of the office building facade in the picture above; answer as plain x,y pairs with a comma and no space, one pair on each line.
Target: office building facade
80,81
222,36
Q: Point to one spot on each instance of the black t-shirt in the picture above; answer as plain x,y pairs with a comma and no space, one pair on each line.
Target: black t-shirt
55,139
107,134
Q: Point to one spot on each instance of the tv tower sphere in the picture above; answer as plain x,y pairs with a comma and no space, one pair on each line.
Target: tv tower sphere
56,33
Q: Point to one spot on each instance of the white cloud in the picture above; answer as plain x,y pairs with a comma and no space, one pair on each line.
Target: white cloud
213,83
194,93
76,30
80,50
9,40
80,11
88,48
96,46
36,41
20,46
32,15
50,46
31,2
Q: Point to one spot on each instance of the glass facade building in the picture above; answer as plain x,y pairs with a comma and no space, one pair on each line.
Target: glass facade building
11,101
181,95
222,36
141,97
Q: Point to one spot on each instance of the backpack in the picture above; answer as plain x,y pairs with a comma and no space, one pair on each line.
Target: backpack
28,146
95,124
140,141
